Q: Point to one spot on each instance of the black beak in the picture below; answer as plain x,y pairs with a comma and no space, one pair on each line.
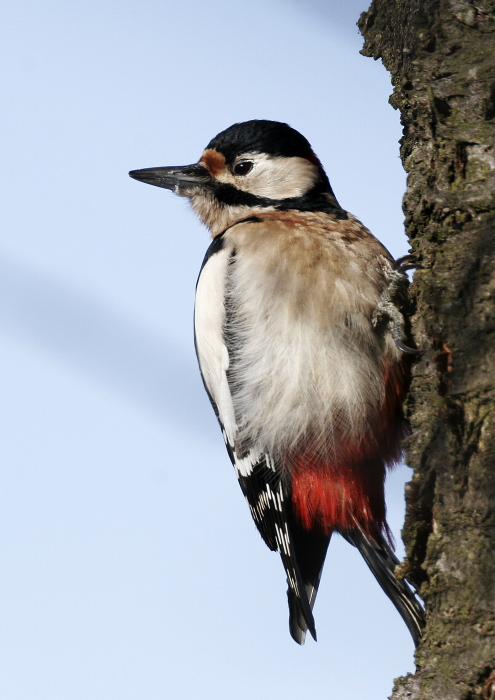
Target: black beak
181,179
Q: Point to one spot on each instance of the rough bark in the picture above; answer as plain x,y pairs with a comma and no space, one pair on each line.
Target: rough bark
441,56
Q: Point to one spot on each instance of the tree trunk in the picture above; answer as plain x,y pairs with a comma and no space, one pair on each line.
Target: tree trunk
441,55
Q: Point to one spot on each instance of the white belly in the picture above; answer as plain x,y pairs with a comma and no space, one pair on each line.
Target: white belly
295,371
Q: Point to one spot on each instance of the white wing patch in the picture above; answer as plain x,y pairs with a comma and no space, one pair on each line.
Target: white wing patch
213,355
244,466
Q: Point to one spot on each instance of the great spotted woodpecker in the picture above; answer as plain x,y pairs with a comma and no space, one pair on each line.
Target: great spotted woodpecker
301,348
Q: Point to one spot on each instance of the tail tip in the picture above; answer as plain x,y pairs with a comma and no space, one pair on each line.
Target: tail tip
298,624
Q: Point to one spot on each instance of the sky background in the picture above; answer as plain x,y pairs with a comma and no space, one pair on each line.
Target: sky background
130,568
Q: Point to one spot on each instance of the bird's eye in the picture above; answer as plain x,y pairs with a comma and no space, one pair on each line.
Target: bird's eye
243,168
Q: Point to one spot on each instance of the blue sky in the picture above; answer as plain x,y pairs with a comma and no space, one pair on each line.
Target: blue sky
129,565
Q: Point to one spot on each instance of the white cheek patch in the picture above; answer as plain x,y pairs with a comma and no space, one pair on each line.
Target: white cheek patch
274,177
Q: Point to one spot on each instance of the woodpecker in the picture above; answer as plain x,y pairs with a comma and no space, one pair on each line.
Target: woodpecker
300,343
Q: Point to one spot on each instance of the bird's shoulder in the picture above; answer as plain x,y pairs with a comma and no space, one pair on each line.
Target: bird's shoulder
312,249
294,232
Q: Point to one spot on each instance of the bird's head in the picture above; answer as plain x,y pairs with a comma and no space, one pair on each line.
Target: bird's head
249,168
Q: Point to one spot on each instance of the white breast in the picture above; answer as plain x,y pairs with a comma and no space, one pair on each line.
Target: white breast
305,364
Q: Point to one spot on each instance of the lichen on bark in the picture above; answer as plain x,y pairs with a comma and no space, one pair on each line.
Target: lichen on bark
441,56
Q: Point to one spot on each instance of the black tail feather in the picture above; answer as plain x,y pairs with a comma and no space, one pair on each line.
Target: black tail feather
382,562
310,550
300,608
297,623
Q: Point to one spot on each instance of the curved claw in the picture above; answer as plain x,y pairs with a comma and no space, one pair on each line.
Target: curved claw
404,348
406,262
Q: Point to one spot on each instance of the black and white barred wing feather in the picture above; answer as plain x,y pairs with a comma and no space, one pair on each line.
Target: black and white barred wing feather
259,477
